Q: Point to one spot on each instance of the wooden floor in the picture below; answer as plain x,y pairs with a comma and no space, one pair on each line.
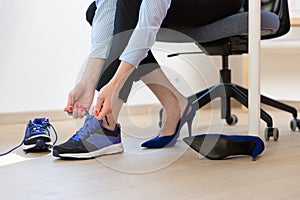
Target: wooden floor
171,173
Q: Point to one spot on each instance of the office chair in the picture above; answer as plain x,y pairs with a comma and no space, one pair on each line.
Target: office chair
229,36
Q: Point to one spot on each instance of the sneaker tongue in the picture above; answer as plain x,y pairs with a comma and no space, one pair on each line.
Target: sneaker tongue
39,120
90,123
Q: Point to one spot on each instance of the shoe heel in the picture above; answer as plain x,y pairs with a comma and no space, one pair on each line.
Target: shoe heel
190,120
40,144
189,124
258,149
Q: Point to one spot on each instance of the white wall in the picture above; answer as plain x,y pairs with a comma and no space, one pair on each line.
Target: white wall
280,77
294,7
43,45
280,62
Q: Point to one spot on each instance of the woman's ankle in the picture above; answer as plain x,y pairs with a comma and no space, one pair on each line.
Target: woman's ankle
173,113
109,123
176,106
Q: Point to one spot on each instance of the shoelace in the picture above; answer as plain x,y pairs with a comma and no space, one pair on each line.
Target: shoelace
83,131
47,123
38,129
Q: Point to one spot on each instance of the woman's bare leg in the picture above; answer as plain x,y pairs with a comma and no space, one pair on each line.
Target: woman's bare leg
171,99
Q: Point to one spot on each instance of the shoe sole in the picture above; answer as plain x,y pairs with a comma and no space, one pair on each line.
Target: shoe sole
40,145
112,149
217,147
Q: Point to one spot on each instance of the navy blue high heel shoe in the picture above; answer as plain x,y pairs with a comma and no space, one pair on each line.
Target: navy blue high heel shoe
170,140
218,146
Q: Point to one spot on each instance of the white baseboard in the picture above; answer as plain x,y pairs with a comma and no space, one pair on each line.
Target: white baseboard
24,117
59,115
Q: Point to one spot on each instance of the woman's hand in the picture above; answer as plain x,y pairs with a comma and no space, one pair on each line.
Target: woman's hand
80,99
81,96
108,101
104,103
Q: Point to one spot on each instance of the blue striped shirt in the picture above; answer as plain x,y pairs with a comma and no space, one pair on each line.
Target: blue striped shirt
151,15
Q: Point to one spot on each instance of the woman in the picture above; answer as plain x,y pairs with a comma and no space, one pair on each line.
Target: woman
132,26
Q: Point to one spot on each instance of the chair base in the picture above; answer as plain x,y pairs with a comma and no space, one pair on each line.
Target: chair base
226,91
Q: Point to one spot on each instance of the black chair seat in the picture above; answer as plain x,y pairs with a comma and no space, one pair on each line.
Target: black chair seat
234,25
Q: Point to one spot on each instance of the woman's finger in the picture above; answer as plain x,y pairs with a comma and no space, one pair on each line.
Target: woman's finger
75,111
81,112
98,106
69,108
105,110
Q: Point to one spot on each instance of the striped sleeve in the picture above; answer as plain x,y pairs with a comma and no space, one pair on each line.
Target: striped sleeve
152,13
102,28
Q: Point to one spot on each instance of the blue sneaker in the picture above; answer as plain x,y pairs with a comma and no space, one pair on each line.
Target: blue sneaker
37,136
90,141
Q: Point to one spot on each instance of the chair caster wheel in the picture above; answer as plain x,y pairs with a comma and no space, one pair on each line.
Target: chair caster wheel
294,124
232,120
271,132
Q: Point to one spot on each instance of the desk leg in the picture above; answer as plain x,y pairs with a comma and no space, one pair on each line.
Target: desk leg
245,76
254,67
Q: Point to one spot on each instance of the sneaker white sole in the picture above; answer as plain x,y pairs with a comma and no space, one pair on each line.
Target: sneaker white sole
38,136
112,149
26,147
29,146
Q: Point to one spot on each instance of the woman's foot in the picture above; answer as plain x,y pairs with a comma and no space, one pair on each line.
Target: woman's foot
165,139
174,114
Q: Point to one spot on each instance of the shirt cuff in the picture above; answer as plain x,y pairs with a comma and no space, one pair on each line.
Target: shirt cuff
134,57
